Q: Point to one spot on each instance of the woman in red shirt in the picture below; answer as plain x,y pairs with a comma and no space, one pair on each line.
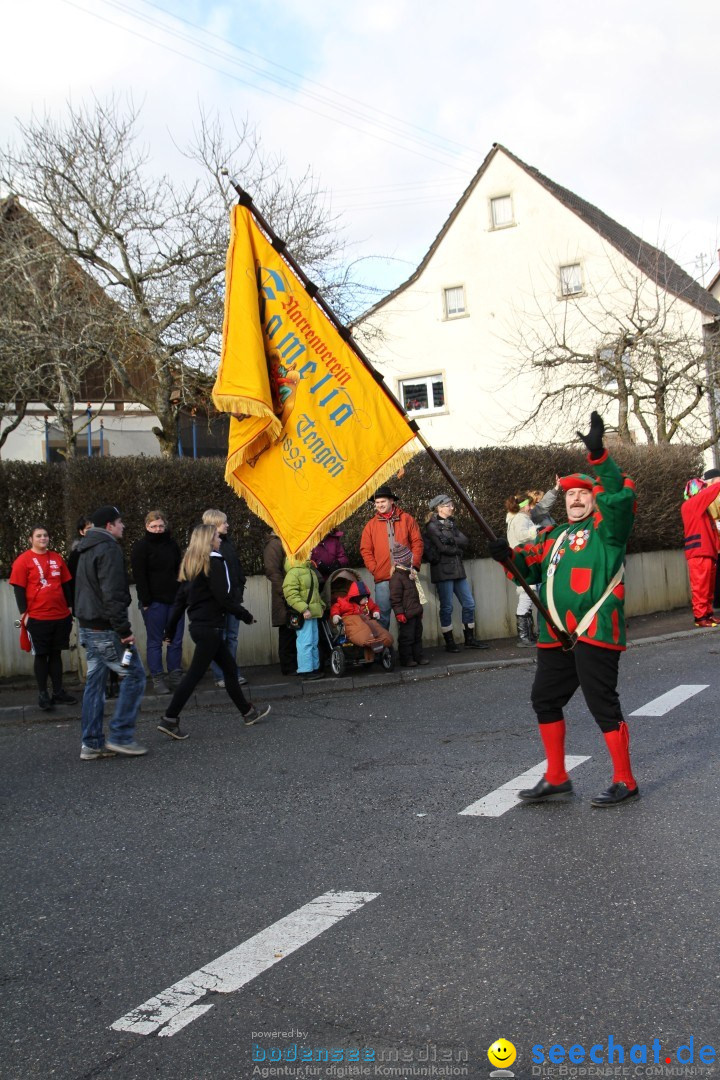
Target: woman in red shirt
42,592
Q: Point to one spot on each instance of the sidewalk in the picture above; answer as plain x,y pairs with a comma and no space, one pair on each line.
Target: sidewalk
18,697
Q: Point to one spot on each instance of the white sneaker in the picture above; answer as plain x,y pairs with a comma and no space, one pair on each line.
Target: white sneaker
131,749
92,753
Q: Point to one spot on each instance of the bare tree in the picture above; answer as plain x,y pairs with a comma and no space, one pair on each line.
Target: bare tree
52,327
631,344
156,246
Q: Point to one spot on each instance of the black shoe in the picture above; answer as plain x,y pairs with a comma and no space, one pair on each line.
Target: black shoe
615,794
543,790
61,697
45,701
311,676
423,662
169,726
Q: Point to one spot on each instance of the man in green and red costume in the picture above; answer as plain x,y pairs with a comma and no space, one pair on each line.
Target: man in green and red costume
579,568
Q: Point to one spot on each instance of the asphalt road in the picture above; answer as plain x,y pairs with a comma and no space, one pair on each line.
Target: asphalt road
547,925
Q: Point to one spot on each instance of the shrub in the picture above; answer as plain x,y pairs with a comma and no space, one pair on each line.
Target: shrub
56,495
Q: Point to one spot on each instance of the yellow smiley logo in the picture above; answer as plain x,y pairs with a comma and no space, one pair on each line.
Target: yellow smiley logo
502,1053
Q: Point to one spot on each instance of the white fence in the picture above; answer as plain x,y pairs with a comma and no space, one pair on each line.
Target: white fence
656,581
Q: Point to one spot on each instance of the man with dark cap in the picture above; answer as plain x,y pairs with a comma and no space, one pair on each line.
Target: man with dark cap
102,598
579,568
388,530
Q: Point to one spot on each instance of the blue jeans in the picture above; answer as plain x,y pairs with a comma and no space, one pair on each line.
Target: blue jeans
230,637
462,590
156,619
308,657
104,651
382,599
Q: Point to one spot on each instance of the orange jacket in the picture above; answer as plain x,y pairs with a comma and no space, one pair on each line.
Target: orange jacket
375,547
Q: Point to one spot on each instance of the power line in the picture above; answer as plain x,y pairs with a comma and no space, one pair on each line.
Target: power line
265,90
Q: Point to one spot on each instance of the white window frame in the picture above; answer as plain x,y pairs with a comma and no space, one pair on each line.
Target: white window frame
414,380
503,224
567,293
446,307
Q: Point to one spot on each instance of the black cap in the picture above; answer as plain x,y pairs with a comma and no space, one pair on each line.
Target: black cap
384,492
711,474
104,516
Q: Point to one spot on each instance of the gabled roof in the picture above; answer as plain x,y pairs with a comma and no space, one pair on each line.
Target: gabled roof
654,263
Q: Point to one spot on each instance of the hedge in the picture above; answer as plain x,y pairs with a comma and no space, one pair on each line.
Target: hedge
56,495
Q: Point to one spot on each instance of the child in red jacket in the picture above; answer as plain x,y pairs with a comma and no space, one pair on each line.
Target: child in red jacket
360,615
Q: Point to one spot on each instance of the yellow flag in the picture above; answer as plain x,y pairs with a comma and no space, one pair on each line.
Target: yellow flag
312,435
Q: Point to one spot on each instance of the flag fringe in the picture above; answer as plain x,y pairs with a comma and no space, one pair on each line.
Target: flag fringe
241,406
342,513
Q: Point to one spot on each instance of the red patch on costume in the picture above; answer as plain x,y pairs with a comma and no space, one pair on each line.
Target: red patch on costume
597,518
551,632
619,591
615,619
580,577
570,621
593,627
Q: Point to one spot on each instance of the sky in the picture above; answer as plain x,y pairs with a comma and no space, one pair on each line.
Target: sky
394,105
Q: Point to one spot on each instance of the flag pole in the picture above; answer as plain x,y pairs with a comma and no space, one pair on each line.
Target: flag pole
279,245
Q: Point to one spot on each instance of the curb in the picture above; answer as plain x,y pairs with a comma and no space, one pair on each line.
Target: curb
329,685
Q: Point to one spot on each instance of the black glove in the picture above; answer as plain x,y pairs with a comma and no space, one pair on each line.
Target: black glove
245,616
499,549
594,438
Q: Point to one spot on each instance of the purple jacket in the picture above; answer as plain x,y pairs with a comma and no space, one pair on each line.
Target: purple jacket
330,554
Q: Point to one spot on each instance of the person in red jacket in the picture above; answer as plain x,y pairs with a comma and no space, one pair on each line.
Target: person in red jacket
41,581
360,615
390,529
702,543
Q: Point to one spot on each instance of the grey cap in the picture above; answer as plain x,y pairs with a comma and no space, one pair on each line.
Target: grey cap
440,500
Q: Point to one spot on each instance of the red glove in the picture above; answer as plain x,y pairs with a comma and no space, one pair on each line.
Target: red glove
401,618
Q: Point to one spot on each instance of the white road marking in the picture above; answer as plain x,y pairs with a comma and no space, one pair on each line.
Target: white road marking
663,704
182,1019
504,798
176,1006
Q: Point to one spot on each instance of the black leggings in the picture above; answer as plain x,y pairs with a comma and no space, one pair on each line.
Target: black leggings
590,667
48,664
209,645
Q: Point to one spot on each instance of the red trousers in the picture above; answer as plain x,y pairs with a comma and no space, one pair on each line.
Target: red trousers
702,571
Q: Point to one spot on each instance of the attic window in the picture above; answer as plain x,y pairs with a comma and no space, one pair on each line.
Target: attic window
571,282
501,211
454,300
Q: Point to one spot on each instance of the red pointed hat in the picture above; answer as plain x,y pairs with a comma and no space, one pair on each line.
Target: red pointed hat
577,480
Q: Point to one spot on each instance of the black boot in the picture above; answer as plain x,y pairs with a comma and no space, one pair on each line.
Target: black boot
450,645
524,640
471,642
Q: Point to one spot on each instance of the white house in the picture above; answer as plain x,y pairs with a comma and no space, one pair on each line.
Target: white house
520,267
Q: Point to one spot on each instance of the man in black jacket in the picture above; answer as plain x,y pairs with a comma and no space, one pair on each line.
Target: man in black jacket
102,598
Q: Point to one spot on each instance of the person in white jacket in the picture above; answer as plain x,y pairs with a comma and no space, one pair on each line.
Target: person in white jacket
522,530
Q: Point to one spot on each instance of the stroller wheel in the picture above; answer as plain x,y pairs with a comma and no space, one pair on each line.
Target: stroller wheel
387,659
337,662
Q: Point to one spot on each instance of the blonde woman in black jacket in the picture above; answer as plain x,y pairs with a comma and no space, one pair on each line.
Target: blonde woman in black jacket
206,593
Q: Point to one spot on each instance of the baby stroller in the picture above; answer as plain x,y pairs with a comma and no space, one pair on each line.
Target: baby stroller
342,653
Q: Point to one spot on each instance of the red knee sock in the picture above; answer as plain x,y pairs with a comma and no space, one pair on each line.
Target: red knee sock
618,743
553,737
